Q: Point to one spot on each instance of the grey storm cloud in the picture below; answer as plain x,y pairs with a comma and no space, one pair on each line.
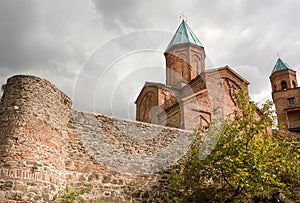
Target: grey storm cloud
27,38
101,52
118,14
17,22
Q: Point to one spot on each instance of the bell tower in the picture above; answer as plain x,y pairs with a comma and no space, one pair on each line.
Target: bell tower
185,57
286,96
282,77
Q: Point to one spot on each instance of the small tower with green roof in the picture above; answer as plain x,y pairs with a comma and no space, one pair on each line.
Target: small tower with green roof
185,57
282,76
286,96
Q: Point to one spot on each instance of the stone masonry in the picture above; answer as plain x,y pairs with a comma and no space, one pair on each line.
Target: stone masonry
46,146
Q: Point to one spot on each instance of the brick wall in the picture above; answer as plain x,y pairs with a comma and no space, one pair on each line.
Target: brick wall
46,146
280,99
37,97
33,130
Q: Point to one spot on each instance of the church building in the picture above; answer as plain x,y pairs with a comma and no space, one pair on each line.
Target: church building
191,93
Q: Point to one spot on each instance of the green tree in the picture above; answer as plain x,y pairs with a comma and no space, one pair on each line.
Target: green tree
250,163
68,195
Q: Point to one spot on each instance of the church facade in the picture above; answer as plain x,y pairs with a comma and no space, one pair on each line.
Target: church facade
191,93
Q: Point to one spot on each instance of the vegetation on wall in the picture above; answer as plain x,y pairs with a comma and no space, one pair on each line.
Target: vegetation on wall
250,163
68,195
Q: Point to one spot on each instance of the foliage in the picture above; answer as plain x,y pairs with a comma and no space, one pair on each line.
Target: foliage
250,163
68,195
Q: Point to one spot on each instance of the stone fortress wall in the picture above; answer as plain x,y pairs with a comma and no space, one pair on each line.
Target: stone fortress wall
46,146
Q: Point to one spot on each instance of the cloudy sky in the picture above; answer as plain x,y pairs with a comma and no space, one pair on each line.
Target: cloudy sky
101,52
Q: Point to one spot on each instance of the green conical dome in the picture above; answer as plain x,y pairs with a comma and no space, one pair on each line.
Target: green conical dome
184,34
280,65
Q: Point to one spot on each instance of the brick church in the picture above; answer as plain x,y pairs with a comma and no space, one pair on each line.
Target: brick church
192,94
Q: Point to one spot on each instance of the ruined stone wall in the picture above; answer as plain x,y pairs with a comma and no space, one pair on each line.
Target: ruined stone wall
46,146
33,120
121,159
36,97
31,158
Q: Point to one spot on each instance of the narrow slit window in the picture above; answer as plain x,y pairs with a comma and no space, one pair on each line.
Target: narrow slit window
182,70
291,101
294,84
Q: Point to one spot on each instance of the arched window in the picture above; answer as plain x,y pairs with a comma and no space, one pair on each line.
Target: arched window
197,67
197,64
294,84
283,85
182,70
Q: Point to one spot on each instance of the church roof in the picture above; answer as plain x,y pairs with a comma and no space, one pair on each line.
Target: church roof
157,85
184,34
227,68
280,65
